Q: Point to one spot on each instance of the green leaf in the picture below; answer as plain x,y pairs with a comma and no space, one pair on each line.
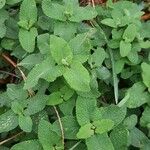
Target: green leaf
54,7
130,33
133,57
138,95
119,137
30,144
45,70
12,2
83,13
66,92
125,48
81,51
3,17
85,109
77,77
97,57
17,108
85,131
31,60
70,126
114,113
28,13
8,121
48,138
145,44
117,34
16,92
25,123
60,30
2,3
27,39
119,65
55,98
130,122
7,43
145,119
146,74
139,139
3,30
103,73
103,125
109,22
45,23
36,104
43,43
99,142
60,50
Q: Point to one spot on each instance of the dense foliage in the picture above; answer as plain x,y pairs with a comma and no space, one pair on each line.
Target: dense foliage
74,77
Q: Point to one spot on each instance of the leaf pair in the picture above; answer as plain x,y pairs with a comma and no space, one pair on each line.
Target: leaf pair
63,64
28,17
68,11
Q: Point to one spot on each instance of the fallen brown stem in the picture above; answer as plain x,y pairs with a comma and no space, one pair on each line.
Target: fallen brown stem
146,17
10,61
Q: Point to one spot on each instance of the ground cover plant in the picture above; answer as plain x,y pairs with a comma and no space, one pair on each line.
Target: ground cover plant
74,75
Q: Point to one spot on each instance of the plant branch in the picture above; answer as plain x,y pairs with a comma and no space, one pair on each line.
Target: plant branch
74,146
8,73
61,126
11,138
10,61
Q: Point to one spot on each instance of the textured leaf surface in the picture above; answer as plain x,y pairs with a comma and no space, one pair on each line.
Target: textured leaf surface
85,108
85,131
145,119
77,77
98,142
48,138
114,113
28,16
60,50
8,121
83,13
70,125
45,70
138,96
81,50
27,39
2,3
119,138
146,74
30,144
43,43
47,5
125,48
55,99
25,123
36,104
130,33
103,125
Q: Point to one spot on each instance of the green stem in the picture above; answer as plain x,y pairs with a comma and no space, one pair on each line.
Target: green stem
115,79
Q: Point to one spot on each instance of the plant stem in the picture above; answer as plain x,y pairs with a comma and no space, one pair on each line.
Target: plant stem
115,80
72,148
11,138
5,72
61,126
